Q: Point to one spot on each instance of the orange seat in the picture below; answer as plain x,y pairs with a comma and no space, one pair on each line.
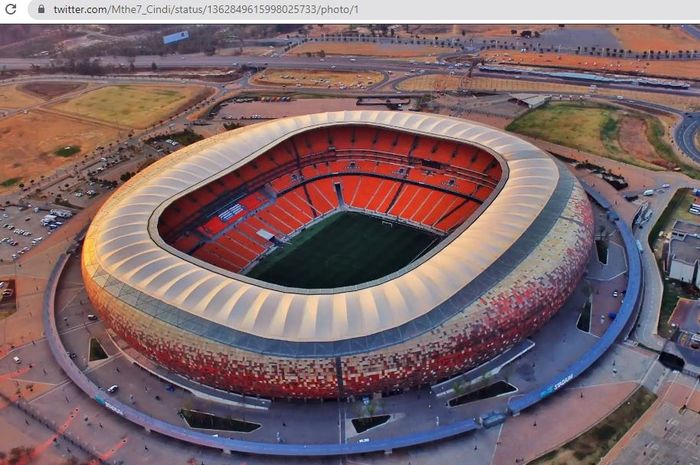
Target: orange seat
457,217
443,204
404,205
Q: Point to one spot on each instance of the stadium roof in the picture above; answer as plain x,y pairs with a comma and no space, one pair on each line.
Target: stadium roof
123,245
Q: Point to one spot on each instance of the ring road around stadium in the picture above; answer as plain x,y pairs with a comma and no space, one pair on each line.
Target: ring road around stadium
249,262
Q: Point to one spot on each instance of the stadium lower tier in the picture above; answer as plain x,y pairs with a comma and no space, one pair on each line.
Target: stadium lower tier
267,222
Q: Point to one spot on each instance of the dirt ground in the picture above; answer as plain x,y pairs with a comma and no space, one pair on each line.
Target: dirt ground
496,121
654,37
316,78
11,97
632,141
26,156
248,51
475,30
50,89
660,68
283,109
369,49
431,82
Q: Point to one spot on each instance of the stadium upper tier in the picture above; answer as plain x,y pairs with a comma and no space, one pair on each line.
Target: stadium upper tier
517,229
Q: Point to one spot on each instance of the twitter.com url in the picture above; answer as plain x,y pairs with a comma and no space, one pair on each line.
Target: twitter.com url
226,10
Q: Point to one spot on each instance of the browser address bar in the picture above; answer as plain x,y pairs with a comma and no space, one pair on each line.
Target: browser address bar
229,11
345,11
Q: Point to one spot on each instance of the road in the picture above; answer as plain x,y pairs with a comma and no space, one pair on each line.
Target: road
685,135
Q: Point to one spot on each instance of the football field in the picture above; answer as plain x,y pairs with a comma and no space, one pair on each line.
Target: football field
344,249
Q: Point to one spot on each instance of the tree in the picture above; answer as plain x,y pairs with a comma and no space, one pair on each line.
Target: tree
154,66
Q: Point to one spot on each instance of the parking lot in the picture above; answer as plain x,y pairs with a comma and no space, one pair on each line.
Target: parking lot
23,228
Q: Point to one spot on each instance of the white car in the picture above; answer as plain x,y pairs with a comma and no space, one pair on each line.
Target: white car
113,388
17,360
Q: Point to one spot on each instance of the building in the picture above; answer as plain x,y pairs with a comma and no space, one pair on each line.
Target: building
531,101
683,253
165,260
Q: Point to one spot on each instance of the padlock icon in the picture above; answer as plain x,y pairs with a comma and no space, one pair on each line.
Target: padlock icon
41,9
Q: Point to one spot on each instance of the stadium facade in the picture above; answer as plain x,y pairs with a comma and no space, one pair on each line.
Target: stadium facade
165,260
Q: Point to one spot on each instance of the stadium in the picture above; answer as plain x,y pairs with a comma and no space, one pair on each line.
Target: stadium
338,254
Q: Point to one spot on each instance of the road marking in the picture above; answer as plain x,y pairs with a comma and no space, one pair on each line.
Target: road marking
13,374
67,381
39,449
108,454
498,439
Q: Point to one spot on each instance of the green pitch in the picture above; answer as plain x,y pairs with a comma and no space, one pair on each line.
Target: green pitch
343,250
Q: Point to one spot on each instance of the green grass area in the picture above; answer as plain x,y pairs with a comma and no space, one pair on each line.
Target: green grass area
67,151
202,420
594,128
591,446
677,209
96,350
344,249
583,126
130,105
186,137
10,182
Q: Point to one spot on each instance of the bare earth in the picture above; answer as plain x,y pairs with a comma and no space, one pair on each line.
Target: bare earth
11,97
369,49
632,140
50,89
316,78
24,155
283,109
654,37
662,68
